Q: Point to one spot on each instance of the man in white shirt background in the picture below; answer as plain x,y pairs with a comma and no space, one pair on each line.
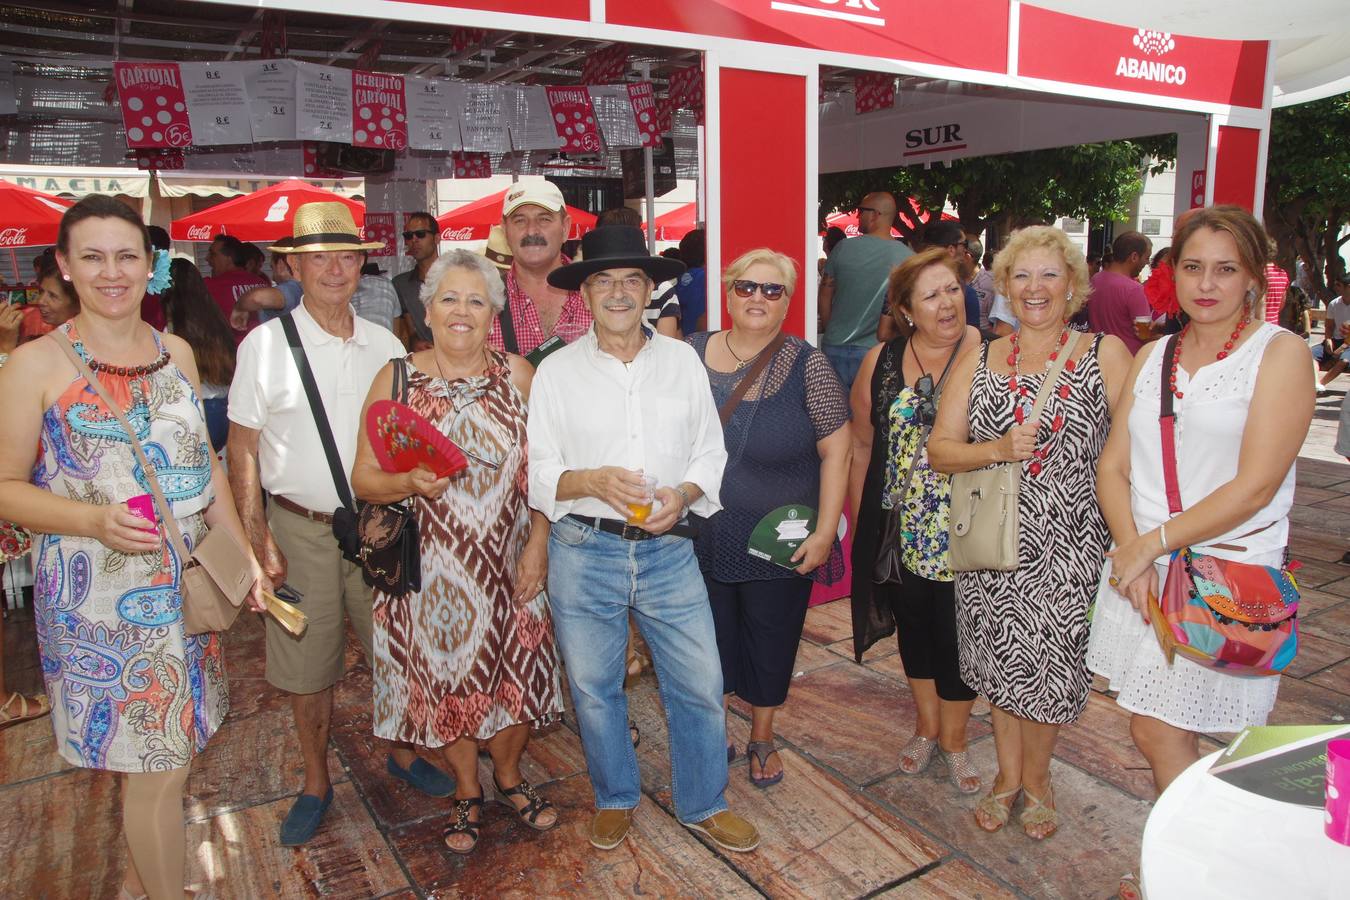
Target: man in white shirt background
618,404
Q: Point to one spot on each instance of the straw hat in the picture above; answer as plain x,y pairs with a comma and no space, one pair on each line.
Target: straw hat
324,227
498,251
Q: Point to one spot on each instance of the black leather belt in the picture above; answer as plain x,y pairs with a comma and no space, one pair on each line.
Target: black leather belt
632,532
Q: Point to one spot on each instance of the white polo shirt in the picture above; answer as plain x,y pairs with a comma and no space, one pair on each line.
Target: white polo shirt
268,395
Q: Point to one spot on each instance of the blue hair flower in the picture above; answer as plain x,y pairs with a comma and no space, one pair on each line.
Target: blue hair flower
161,279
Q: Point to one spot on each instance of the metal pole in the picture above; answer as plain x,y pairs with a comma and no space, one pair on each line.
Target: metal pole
651,199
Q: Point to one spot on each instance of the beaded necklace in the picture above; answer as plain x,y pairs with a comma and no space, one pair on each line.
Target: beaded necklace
1026,403
1222,354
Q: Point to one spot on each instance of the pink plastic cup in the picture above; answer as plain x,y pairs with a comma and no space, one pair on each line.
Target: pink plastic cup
1338,791
143,505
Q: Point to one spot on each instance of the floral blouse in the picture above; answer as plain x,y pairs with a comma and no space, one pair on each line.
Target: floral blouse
926,510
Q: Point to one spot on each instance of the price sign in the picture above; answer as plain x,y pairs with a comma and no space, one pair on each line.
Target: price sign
644,112
217,101
271,92
433,113
323,103
379,111
574,119
154,107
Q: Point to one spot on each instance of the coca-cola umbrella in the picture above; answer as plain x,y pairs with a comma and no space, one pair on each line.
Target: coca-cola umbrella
264,215
473,221
29,218
674,225
849,220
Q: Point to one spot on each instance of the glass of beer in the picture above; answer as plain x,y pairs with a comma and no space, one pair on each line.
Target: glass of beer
638,512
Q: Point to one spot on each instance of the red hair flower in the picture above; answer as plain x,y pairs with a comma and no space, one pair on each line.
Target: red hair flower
1161,290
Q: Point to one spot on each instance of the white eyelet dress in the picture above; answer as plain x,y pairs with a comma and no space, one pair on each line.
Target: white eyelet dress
1211,418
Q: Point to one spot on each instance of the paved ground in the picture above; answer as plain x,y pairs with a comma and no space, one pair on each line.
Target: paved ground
843,824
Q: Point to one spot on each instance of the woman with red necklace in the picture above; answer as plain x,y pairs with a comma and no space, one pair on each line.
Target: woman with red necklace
1022,634
1236,483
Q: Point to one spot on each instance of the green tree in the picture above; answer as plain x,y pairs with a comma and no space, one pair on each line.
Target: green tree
1308,186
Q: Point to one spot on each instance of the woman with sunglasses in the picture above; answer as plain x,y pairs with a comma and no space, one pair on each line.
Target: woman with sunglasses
786,444
895,401
469,658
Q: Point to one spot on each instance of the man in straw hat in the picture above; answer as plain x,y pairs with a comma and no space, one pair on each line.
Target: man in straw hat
620,418
275,446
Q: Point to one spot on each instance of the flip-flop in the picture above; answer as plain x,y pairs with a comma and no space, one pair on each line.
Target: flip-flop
761,751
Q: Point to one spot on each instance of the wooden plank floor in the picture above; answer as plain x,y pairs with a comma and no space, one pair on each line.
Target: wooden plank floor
845,823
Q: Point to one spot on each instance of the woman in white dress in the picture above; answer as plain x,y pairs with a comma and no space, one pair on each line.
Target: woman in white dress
1237,483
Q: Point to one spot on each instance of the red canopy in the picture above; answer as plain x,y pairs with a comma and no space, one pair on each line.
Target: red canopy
849,220
674,225
473,221
29,218
264,215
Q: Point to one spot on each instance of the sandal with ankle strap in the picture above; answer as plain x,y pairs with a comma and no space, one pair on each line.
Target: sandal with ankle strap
1035,813
994,808
30,708
530,812
462,825
761,751
918,753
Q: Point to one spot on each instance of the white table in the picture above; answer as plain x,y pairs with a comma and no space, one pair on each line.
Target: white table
1207,838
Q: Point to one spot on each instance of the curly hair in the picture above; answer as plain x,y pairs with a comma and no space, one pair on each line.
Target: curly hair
1045,237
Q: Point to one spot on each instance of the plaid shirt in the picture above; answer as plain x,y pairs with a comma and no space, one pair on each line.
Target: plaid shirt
574,320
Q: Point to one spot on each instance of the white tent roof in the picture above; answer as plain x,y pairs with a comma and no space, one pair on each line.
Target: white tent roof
1311,36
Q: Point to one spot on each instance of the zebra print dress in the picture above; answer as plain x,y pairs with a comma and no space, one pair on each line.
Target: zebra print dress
1023,634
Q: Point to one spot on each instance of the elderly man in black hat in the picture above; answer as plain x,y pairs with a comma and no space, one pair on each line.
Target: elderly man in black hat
624,441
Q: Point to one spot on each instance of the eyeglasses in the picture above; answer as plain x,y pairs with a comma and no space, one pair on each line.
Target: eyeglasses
863,209
926,407
418,233
604,284
746,289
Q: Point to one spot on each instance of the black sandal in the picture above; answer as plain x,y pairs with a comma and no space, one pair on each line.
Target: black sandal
462,825
530,812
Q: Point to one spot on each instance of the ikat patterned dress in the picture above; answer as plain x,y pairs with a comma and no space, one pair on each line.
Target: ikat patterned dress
130,692
460,658
1023,634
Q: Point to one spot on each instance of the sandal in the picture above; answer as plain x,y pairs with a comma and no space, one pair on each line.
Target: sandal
961,772
530,812
994,808
761,751
28,706
1037,813
916,756
1129,888
462,825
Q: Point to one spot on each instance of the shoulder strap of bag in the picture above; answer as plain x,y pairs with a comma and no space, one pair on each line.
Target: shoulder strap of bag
1052,375
180,544
743,386
508,324
330,450
1167,421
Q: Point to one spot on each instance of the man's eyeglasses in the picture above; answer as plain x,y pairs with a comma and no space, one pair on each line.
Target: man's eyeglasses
418,233
746,289
863,209
925,409
632,283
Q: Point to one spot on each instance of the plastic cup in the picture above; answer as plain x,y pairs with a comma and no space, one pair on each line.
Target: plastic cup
638,512
143,505
1338,791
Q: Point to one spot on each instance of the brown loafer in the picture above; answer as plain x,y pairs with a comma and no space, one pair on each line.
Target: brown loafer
610,827
728,831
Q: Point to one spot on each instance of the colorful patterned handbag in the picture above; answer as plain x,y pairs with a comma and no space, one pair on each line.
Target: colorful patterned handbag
14,541
1238,617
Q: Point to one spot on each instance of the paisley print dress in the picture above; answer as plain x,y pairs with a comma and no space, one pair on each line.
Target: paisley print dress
459,658
130,692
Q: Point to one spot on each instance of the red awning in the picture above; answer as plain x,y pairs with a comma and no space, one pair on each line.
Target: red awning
473,221
674,225
29,218
264,215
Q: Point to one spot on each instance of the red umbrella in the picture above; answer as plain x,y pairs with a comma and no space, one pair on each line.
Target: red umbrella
29,218
473,221
849,220
264,215
674,225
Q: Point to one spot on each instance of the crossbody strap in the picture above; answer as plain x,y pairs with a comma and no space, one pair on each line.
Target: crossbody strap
330,450
1167,423
180,544
508,326
743,386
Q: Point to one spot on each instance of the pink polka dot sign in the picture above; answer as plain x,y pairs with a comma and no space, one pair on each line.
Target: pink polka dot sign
644,111
314,168
379,111
380,227
154,109
471,165
574,118
873,91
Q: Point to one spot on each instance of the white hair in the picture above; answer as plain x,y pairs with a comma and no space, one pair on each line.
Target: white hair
464,259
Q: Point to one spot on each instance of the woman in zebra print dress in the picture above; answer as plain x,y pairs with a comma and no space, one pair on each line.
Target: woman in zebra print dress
1023,634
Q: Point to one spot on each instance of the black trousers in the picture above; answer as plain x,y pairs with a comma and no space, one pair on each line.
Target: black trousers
925,626
759,625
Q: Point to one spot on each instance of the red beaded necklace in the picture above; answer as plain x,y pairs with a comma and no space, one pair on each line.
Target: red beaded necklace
1026,403
1222,354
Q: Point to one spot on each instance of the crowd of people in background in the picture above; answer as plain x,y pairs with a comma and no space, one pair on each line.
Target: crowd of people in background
620,457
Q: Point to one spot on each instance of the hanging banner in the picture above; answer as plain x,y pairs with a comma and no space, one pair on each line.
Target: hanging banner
271,95
154,109
314,168
217,103
873,91
614,113
573,119
472,165
433,112
607,66
379,111
151,159
380,227
323,97
642,98
482,123
531,118
685,90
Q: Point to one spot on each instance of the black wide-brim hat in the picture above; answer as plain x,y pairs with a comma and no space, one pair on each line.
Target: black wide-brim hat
614,247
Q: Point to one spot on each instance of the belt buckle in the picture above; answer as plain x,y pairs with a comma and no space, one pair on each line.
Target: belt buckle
634,533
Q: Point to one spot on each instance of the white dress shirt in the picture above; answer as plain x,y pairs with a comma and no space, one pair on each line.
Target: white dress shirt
268,395
588,409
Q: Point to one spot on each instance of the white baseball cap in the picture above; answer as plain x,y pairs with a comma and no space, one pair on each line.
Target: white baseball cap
540,193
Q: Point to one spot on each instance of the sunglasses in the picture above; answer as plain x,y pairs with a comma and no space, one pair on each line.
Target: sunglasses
418,233
863,209
926,407
769,289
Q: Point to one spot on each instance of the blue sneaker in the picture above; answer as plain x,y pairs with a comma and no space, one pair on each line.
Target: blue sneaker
304,818
422,775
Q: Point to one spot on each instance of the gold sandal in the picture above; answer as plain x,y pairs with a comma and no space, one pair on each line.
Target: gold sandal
1035,813
994,808
29,708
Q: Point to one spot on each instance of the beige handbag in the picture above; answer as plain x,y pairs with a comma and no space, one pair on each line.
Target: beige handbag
217,574
984,530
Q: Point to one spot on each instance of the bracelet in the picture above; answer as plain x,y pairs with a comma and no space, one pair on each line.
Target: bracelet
684,496
1162,535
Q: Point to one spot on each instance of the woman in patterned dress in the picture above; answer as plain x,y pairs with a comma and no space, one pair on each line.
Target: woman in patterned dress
892,409
470,658
1023,634
130,691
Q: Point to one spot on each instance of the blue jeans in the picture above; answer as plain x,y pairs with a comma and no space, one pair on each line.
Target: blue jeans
594,580
846,359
